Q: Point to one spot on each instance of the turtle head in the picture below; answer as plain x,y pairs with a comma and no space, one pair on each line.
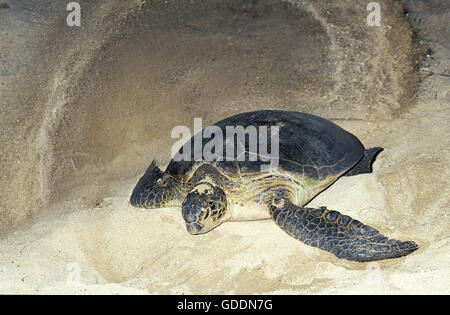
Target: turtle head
154,189
204,207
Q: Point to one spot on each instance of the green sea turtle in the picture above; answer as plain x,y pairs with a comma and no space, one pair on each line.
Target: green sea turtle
313,154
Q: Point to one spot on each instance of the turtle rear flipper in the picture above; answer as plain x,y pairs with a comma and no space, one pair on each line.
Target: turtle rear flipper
339,234
365,164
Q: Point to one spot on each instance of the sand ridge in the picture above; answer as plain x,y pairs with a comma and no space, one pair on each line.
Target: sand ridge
78,136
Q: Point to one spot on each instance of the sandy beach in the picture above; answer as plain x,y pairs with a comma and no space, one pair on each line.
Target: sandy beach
82,125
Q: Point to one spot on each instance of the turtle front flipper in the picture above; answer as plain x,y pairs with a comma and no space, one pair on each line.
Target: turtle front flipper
155,190
339,234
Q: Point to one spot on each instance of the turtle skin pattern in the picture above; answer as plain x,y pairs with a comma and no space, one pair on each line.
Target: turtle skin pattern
339,234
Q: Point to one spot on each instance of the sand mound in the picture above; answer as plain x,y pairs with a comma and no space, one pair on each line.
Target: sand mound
86,109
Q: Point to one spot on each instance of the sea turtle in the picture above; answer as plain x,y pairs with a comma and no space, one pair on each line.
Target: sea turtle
313,154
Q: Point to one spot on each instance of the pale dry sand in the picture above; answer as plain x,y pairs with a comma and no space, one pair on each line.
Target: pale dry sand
86,110
123,250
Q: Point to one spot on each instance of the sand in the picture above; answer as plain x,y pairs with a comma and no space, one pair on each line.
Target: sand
123,250
98,118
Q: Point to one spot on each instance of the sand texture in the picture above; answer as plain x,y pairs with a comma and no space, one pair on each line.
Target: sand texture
85,109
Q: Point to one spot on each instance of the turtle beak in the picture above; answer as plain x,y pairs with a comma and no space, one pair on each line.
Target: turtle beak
194,228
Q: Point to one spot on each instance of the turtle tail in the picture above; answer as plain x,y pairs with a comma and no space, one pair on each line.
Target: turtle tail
336,233
365,164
